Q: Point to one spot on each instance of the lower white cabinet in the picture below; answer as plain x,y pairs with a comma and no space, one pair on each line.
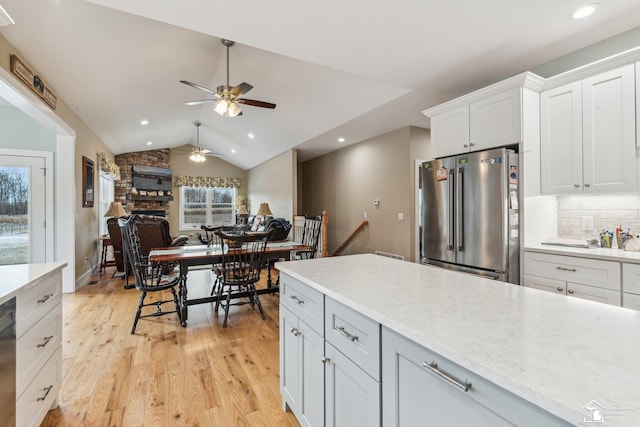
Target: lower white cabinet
301,369
421,388
594,280
38,348
333,381
631,286
352,397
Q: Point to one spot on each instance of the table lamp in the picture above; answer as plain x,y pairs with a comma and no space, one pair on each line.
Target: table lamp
263,213
243,214
116,210
264,210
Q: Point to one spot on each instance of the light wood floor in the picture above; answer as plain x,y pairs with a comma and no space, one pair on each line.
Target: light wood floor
167,375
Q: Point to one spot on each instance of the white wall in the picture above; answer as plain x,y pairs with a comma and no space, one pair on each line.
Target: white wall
274,182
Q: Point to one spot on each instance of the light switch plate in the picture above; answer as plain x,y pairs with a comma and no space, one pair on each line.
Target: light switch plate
587,223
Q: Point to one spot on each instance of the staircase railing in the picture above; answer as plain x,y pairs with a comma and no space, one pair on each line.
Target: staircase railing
350,238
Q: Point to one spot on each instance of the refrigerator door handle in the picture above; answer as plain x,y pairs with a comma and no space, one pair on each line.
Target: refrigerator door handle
460,209
451,213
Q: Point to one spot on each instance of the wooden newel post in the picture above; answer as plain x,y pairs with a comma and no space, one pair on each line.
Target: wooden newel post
325,243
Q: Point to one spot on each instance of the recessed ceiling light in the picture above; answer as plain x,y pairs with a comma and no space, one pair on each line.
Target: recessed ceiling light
149,142
233,150
340,139
251,136
144,122
585,11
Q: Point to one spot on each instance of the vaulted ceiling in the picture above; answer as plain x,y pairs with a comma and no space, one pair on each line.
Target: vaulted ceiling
335,69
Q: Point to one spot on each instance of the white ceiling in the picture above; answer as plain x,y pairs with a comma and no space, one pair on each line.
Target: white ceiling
334,68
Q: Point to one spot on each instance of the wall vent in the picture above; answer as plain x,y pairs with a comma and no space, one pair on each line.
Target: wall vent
389,255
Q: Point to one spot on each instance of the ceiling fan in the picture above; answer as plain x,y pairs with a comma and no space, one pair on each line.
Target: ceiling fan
199,154
226,97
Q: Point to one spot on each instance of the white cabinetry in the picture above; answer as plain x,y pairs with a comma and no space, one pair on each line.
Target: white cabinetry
38,348
302,351
424,388
496,120
352,367
332,382
584,278
495,116
631,286
450,132
587,141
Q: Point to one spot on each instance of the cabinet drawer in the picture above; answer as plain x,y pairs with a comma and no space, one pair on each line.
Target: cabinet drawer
592,293
545,284
40,394
355,335
631,301
36,346
303,301
631,278
36,301
594,272
413,393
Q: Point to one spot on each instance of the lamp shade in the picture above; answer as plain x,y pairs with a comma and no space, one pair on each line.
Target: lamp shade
243,210
116,209
264,210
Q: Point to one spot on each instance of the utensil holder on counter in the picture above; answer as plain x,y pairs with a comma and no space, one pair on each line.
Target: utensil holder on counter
605,240
620,242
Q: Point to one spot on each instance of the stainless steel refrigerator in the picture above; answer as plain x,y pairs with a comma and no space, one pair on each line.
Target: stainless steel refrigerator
470,213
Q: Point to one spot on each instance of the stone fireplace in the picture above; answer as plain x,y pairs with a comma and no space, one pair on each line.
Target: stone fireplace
137,202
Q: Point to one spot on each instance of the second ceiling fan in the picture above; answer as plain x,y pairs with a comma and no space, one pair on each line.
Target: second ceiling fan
227,97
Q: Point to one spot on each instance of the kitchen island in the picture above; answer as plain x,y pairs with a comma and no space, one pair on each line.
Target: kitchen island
32,351
546,354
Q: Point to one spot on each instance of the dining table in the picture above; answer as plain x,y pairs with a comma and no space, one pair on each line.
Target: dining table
198,255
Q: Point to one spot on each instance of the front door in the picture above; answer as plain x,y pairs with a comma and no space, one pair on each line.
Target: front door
22,210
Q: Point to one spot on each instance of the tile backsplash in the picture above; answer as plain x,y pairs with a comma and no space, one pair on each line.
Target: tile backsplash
607,210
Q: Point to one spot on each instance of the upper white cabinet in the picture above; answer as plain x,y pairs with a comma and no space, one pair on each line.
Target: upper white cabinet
494,116
451,131
496,121
587,139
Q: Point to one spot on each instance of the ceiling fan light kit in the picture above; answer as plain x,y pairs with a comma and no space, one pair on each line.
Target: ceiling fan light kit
227,98
198,154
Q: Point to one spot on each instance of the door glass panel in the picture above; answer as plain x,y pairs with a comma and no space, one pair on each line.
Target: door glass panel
14,215
22,210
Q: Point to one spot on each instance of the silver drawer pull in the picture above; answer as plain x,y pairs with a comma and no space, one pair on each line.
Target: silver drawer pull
560,288
433,367
571,291
325,360
566,269
295,332
296,299
344,333
45,341
45,298
46,393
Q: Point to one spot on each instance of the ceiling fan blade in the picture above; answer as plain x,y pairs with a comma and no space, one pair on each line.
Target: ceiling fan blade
193,85
240,90
218,155
201,101
255,103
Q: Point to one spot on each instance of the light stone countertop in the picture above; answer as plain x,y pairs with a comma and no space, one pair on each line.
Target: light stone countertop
606,254
557,352
16,277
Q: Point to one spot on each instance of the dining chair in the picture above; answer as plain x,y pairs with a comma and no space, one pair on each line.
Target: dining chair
148,277
209,239
242,261
310,237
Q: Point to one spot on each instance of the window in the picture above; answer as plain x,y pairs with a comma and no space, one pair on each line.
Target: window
206,206
106,197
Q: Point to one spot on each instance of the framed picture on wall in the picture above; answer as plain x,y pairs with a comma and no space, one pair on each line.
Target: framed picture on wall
88,192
